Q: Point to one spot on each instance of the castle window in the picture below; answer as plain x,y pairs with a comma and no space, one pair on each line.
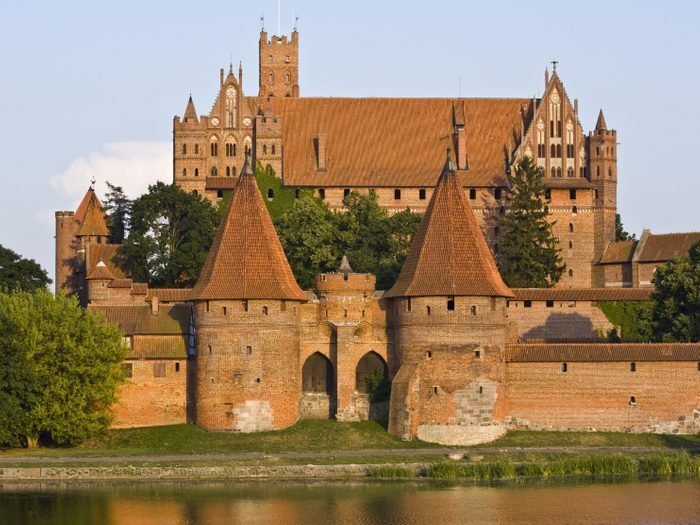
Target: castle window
428,309
572,194
571,245
128,370
214,171
570,172
264,310
209,348
397,195
219,194
225,310
633,401
207,303
597,172
472,194
214,146
421,194
249,350
346,192
287,78
269,57
553,172
270,194
548,194
633,367
408,304
184,172
321,193
273,149
436,389
473,310
497,193
271,78
345,314
177,367
541,150
481,389
196,149
550,303
245,306
233,171
428,354
558,151
527,304
451,304
571,227
184,149
257,380
571,273
234,150
228,171
196,172
477,354
582,172
559,173
564,367
158,369
574,210
264,149
596,194
363,313
553,151
610,173
283,306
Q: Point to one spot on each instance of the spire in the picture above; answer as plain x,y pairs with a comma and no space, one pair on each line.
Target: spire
190,112
546,77
601,122
246,260
345,266
449,255
91,216
240,75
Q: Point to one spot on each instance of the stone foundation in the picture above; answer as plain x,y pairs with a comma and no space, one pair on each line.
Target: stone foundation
316,405
253,416
460,435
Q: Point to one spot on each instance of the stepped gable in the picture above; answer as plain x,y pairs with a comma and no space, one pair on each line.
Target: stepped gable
246,260
449,255
91,216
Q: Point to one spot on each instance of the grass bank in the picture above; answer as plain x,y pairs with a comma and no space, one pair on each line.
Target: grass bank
648,466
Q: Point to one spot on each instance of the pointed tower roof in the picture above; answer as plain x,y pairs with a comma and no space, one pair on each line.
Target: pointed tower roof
246,260
91,216
100,271
190,112
449,255
601,121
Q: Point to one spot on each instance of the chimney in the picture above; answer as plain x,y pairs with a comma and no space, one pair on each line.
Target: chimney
154,305
221,77
321,151
461,148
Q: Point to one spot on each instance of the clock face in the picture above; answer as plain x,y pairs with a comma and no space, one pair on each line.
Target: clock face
214,121
231,92
246,122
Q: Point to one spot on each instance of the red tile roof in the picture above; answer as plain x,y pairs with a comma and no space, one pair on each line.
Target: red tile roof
618,252
161,347
100,271
108,254
568,183
667,246
394,142
610,352
169,295
221,183
92,220
138,320
582,294
449,255
246,260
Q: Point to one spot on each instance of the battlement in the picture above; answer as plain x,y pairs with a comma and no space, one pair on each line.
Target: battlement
65,214
342,282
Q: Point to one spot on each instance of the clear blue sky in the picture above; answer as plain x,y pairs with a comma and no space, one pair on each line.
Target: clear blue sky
91,87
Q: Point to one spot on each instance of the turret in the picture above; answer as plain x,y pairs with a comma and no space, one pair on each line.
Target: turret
279,66
448,310
246,310
98,280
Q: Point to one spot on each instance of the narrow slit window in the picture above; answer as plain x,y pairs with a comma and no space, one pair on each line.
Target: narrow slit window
633,367
451,304
564,367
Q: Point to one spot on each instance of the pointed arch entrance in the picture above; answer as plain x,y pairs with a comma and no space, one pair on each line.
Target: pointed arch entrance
317,388
373,386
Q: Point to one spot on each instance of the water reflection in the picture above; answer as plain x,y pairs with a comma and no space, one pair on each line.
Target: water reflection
348,503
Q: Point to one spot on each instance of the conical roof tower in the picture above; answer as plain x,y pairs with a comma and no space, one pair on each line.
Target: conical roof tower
246,260
600,124
91,216
449,255
190,112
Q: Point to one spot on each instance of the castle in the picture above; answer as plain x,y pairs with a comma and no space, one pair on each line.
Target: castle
466,357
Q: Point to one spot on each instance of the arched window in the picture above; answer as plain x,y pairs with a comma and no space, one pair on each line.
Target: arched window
228,171
195,192
184,172
581,172
597,172
196,172
571,245
553,151
214,171
559,173
558,151
184,149
570,172
287,78
264,310
273,149
233,171
574,210
234,149
571,227
597,151
196,149
372,377
270,194
264,149
554,172
214,147
610,174
571,273
271,77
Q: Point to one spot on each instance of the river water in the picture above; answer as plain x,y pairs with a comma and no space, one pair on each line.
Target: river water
279,503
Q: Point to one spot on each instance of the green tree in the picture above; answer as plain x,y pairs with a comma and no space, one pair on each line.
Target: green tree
118,208
308,235
528,256
675,314
59,369
620,233
170,233
277,197
18,273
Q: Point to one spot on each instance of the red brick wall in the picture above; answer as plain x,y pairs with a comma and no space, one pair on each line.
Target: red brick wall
596,396
564,320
